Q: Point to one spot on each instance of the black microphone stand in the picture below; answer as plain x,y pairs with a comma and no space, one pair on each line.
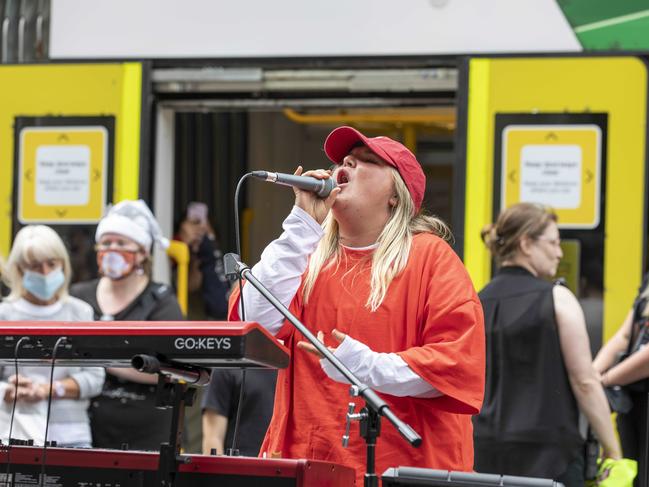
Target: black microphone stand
375,407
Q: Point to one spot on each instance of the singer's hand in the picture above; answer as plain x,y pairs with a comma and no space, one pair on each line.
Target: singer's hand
318,208
308,347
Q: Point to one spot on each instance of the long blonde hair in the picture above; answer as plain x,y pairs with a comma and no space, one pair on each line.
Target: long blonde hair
393,245
35,243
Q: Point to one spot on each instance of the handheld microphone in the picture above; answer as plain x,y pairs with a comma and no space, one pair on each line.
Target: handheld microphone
321,187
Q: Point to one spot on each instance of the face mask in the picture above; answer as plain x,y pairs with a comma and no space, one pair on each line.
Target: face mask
115,264
43,286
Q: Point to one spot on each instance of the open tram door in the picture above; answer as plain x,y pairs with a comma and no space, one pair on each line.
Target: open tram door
212,125
568,132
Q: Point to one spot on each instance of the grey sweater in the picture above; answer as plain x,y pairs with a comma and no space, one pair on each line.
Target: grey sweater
68,418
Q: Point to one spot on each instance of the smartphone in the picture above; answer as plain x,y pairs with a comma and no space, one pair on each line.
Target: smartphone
197,212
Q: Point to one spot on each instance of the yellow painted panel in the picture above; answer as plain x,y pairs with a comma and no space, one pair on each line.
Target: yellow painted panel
128,140
69,90
613,85
479,171
569,266
179,252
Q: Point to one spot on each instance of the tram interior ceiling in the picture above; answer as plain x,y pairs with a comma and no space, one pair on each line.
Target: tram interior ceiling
281,123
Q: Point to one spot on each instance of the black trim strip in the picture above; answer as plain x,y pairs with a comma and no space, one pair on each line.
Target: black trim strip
147,138
459,168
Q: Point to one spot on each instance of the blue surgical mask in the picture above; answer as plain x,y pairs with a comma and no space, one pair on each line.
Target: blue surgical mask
43,286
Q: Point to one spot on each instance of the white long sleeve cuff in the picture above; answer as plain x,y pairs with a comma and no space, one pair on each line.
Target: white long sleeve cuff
384,372
281,267
90,380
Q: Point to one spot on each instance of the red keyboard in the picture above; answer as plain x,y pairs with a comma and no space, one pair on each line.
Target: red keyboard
114,343
67,467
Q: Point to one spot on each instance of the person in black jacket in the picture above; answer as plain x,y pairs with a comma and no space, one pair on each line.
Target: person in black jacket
208,286
125,412
539,373
221,401
624,361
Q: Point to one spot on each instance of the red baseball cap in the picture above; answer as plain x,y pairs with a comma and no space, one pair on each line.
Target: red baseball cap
342,139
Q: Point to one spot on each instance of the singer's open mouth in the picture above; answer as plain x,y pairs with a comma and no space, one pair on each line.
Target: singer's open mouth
342,177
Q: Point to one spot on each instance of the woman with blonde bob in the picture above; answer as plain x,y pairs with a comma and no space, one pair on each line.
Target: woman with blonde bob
38,274
374,278
539,372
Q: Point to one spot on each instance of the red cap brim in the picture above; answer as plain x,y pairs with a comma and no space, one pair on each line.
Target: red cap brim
340,141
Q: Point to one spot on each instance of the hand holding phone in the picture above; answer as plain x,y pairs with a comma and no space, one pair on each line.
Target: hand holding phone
197,212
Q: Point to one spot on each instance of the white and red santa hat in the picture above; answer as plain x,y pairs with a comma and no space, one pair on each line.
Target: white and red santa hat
132,219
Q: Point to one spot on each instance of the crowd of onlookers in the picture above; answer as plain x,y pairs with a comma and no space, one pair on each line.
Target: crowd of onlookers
114,407
539,373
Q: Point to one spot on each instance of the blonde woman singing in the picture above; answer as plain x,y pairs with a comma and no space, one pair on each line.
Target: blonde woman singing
374,278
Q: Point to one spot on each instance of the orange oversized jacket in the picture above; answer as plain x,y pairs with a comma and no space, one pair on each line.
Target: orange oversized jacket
431,317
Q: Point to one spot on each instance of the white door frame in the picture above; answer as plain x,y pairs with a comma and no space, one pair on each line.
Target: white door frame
163,187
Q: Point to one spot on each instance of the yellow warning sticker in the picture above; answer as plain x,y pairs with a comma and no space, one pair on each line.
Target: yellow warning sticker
555,165
62,174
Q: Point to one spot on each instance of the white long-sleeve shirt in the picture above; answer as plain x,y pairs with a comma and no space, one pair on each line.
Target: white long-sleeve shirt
69,423
282,264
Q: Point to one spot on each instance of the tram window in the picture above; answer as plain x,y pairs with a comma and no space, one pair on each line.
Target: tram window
590,290
80,242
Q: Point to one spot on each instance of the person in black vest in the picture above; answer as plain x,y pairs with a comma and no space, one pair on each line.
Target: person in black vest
125,412
539,372
624,361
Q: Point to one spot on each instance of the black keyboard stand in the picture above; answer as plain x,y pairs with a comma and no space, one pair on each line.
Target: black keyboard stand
176,395
175,391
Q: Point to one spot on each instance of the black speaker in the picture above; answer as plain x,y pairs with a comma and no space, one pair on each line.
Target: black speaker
444,478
